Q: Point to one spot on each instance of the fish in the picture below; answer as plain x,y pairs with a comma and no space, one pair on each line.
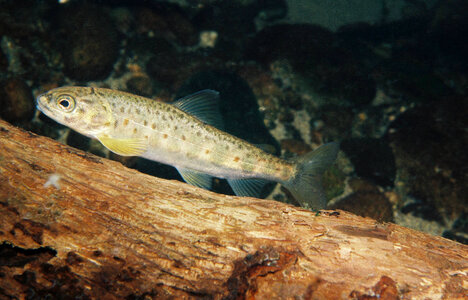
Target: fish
186,134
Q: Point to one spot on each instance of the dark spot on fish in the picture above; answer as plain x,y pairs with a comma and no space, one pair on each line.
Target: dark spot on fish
198,133
171,118
153,125
207,151
125,122
116,123
175,127
145,122
107,124
122,109
97,253
146,137
164,136
135,130
137,111
236,159
81,110
183,137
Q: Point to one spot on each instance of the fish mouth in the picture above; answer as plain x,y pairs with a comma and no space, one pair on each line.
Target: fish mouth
40,100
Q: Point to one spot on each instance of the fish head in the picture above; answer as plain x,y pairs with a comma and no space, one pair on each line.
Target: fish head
79,108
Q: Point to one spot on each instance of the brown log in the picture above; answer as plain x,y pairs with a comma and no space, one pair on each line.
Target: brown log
110,232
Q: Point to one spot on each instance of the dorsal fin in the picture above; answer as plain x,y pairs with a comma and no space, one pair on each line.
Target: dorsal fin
204,105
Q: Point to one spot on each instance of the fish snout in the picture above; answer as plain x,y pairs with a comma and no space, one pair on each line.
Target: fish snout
41,102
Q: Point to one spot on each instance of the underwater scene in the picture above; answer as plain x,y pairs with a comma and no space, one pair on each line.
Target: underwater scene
386,80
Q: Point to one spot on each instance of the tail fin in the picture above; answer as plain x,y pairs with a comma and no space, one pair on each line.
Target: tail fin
306,186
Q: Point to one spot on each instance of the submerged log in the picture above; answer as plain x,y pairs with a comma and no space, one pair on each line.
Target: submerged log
100,230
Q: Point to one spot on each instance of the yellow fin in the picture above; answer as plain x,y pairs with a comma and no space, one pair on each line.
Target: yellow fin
125,147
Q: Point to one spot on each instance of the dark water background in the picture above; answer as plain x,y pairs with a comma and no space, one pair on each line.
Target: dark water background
390,84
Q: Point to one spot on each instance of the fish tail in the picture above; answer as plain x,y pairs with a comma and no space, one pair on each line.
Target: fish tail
306,185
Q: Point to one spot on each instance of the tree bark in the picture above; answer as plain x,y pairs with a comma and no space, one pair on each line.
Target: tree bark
104,231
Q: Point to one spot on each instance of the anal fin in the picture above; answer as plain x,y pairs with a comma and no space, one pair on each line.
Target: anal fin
196,178
247,187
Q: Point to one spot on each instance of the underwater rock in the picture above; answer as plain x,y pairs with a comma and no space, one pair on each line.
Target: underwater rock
20,19
240,18
3,62
409,77
421,209
166,65
372,159
348,81
338,121
231,39
459,230
295,146
299,43
330,69
430,154
166,21
366,201
16,100
88,41
140,85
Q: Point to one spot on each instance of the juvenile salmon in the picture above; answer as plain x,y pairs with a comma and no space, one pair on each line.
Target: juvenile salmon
185,134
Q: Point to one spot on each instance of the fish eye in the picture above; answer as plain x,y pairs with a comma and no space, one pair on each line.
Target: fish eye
66,103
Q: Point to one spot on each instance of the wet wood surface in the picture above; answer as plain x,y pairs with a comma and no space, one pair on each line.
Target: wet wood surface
100,230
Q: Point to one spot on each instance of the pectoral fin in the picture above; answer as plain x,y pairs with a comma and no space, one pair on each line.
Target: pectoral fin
125,147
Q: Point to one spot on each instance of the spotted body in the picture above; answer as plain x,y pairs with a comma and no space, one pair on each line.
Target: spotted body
180,135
